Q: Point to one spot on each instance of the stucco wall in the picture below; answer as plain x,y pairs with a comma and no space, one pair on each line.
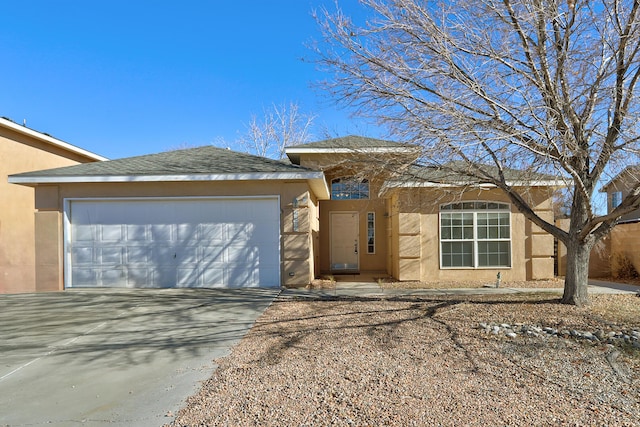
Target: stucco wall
18,246
600,258
415,229
625,240
296,246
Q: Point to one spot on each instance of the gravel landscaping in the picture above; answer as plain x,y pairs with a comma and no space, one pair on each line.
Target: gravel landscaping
411,361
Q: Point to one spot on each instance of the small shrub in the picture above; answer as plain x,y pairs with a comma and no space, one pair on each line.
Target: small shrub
624,268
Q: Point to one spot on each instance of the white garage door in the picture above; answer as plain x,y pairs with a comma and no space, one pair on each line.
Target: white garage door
166,243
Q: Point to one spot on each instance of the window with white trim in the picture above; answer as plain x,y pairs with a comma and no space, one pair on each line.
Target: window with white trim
371,232
349,189
475,235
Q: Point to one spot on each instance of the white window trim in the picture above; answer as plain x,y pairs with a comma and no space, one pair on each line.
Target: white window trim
475,238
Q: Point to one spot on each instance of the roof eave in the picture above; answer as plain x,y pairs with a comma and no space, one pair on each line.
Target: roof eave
50,140
390,185
350,150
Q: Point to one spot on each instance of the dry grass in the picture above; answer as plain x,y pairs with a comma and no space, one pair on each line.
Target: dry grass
423,361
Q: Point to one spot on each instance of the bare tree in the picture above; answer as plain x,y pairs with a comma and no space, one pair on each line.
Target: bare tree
542,86
281,126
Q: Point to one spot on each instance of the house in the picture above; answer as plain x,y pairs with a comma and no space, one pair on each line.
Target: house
210,217
618,254
21,150
619,187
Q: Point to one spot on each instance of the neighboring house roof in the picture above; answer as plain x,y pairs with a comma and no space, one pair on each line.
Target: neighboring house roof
633,170
452,175
207,163
348,144
48,139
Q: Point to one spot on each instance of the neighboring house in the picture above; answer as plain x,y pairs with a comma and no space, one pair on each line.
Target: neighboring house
613,254
619,187
22,150
210,217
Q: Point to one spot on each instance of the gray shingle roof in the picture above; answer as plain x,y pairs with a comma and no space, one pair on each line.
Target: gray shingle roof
194,161
454,173
351,142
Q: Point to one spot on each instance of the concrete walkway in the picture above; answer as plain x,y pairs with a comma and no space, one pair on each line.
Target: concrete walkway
372,289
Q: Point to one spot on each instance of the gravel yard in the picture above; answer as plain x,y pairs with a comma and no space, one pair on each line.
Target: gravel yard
427,362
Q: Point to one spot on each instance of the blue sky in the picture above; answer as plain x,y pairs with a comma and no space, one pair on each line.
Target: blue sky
122,78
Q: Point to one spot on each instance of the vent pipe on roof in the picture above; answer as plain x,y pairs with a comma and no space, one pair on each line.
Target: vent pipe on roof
24,122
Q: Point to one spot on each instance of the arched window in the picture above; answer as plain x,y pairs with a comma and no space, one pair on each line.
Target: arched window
349,189
475,235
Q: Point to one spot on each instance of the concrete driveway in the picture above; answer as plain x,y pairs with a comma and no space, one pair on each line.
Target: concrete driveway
116,357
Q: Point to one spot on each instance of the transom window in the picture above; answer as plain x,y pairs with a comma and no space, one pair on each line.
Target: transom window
349,189
475,235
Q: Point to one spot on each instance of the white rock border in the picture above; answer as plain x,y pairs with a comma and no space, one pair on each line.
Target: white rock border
618,338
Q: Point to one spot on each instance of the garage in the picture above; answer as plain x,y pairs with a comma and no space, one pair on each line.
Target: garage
206,242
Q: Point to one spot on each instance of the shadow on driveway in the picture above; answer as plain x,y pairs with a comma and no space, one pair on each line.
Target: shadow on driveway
115,356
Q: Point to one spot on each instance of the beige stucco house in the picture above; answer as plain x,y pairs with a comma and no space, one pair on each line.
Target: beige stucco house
210,217
21,150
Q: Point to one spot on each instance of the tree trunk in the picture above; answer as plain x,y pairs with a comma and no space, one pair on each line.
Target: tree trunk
577,276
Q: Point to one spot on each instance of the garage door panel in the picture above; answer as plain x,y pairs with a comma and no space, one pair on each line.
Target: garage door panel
242,273
111,233
137,233
138,278
117,276
213,254
164,277
110,255
211,232
83,255
213,276
239,232
188,277
85,277
161,232
137,255
175,243
84,233
238,253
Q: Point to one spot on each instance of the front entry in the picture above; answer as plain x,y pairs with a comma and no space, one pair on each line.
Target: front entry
344,242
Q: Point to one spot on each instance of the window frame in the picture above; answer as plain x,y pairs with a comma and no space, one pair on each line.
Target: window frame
615,195
354,186
371,233
473,209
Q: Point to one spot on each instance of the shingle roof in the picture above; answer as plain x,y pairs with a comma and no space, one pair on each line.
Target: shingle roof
351,142
194,161
454,173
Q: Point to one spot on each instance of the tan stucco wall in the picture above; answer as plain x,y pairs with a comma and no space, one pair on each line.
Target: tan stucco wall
415,230
18,246
296,246
624,243
600,258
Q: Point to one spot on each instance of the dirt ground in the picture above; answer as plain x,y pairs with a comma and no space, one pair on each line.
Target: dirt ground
426,361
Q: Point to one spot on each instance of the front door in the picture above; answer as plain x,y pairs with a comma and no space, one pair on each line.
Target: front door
344,242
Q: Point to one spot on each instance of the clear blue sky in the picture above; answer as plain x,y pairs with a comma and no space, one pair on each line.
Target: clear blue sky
122,78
